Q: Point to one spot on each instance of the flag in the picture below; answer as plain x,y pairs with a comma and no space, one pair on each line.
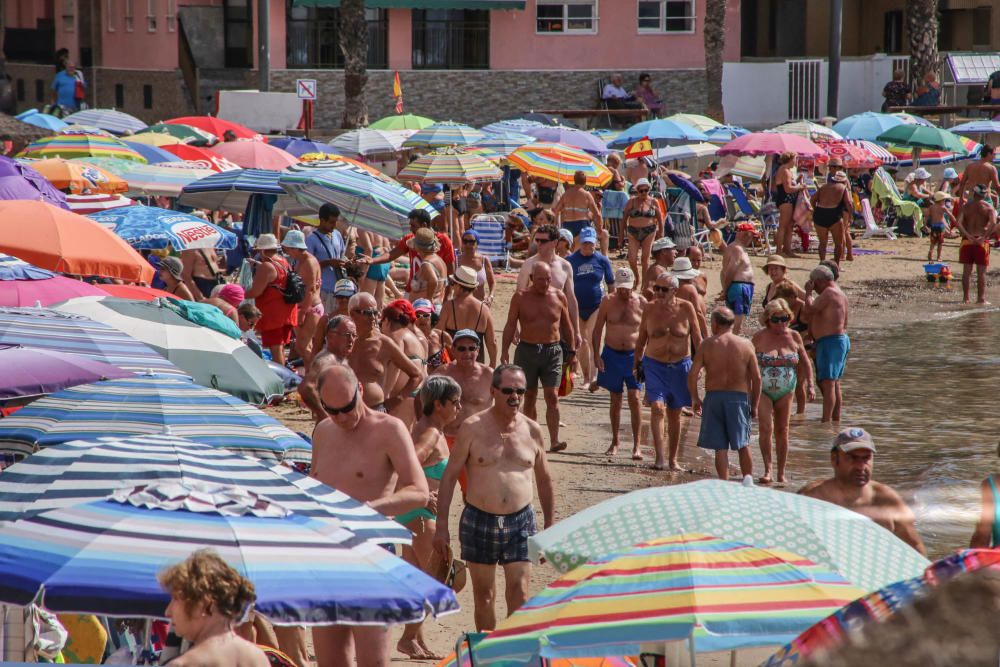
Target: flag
397,92
641,148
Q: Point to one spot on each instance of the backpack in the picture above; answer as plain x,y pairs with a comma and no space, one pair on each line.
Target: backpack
295,288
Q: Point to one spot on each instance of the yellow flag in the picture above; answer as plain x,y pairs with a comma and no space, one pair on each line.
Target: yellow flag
641,148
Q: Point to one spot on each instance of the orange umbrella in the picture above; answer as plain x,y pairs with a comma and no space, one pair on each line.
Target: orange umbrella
58,240
79,177
136,292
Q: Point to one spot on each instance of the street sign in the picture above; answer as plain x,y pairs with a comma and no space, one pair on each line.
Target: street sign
305,89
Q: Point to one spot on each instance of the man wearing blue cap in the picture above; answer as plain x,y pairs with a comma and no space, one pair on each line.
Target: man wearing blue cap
591,271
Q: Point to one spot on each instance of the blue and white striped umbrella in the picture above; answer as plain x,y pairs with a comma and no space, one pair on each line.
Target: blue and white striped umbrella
151,227
49,329
516,125
82,471
103,558
504,143
116,122
231,191
153,154
373,202
150,404
444,134
366,141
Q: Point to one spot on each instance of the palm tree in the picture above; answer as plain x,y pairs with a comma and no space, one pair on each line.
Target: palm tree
922,24
354,45
715,43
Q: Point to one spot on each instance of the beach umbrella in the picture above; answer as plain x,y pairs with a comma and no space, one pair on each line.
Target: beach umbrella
115,122
504,144
154,139
452,660
401,122
370,201
59,240
723,133
145,180
447,165
103,557
80,145
84,204
202,158
216,126
76,129
185,134
910,119
536,117
865,553
47,329
150,404
660,132
923,136
443,134
557,162
232,190
152,154
253,155
486,153
853,156
298,147
697,121
211,358
12,268
977,127
515,125
809,130
44,291
744,166
29,373
152,228
878,150
867,125
771,143
688,152
79,177
22,181
136,292
367,141
570,136
42,120
719,595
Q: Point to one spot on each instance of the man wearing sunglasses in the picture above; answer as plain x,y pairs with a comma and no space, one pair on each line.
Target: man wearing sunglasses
369,456
547,237
503,453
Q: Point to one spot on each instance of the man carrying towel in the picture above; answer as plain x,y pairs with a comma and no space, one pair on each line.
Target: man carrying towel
827,317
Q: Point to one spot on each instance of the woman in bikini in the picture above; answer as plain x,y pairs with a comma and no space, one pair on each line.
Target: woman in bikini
784,194
643,223
438,341
172,274
472,258
431,275
311,308
781,357
464,311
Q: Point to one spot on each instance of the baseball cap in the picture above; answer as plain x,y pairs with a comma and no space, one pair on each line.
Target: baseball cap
465,333
746,227
851,439
345,287
588,235
566,236
624,278
423,306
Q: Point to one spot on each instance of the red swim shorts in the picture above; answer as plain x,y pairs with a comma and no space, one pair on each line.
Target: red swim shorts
463,479
974,253
280,336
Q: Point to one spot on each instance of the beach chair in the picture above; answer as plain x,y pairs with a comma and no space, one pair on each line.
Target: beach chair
490,227
887,195
872,230
464,645
740,201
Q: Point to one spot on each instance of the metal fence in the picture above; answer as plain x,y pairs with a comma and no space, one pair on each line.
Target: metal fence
316,44
804,88
451,44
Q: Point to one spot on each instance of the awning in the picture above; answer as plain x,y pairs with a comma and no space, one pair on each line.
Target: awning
421,4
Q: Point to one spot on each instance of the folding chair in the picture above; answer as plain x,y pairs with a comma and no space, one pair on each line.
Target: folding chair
492,244
465,643
872,230
601,103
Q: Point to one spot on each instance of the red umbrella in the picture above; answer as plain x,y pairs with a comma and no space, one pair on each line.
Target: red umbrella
853,156
137,292
771,143
202,157
216,126
84,204
255,155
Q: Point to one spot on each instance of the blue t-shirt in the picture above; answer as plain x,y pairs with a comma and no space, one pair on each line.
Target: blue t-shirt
588,274
324,247
65,86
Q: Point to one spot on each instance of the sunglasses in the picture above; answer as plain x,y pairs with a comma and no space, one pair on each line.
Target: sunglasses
423,314
545,240
778,319
507,391
466,348
468,240
658,288
367,312
642,191
344,410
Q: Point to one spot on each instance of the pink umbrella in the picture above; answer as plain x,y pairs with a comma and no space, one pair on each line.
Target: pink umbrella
28,293
255,155
771,143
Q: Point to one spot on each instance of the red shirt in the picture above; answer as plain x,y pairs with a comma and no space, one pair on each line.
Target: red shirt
445,252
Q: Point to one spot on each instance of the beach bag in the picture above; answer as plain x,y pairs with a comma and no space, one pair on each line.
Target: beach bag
295,288
566,384
48,636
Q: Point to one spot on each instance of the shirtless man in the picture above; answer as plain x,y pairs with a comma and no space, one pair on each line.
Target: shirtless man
664,252
977,221
540,313
342,293
686,276
500,450
695,254
830,203
737,275
667,334
398,323
620,312
732,391
369,456
546,237
341,333
980,172
377,359
475,379
311,308
827,318
577,209
852,487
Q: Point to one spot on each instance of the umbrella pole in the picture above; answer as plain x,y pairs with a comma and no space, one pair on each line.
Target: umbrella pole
917,150
732,658
691,648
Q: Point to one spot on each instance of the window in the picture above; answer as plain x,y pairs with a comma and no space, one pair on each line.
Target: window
314,37
238,33
568,16
20,90
112,14
150,15
982,17
69,15
39,90
666,16
119,95
171,15
129,16
892,31
147,96
451,39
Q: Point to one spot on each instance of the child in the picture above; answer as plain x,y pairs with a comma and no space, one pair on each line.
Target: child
936,216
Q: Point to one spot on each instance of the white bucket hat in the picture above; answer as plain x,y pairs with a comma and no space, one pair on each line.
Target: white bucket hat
266,242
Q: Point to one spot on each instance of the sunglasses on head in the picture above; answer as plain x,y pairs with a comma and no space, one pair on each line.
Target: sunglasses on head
466,348
778,319
344,410
507,391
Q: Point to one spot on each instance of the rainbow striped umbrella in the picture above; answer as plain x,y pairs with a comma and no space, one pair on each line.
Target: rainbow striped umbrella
557,162
447,165
81,145
444,134
719,595
875,149
151,179
903,155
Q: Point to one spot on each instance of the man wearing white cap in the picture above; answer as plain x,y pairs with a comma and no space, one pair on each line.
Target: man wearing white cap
311,307
851,487
277,317
686,275
663,252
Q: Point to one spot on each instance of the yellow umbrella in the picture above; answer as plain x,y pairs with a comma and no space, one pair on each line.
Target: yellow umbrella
155,139
703,123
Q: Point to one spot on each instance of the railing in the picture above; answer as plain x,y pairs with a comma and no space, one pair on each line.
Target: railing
316,45
451,45
804,89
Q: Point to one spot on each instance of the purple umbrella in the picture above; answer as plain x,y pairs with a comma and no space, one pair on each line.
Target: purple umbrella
19,181
28,293
30,373
570,136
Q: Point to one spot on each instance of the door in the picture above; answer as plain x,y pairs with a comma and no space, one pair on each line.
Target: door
238,27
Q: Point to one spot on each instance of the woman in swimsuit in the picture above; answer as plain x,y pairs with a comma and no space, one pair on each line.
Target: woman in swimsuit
311,308
643,222
171,273
987,533
438,341
431,275
374,281
399,323
781,357
829,204
472,258
464,311
786,191
577,209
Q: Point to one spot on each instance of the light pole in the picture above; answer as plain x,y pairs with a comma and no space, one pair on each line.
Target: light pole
833,73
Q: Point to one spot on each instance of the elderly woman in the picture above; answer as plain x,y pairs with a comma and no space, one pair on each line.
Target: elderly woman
464,311
431,274
438,342
311,309
643,221
782,358
784,193
399,323
472,258
440,402
916,187
172,274
207,599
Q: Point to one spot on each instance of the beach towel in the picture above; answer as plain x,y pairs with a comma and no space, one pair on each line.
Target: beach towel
613,203
87,639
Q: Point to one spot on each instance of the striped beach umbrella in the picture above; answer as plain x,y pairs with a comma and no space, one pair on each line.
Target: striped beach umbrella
504,143
152,154
84,204
557,162
210,357
516,125
725,133
447,165
29,373
103,558
48,329
878,150
924,137
203,158
79,177
80,471
406,121
216,126
80,145
185,134
443,134
697,121
367,200
367,141
152,179
231,191
116,122
570,136
809,130
152,228
150,405
687,152
719,595
154,139
86,130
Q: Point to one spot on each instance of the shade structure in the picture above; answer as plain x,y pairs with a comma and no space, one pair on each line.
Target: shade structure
47,329
298,147
443,134
216,126
867,125
406,121
866,554
187,134
366,200
42,120
254,155
152,179
154,139
62,241
81,471
79,177
447,165
720,594
852,155
103,558
211,358
570,136
685,152
44,292
151,227
80,145
809,130
922,136
558,163
12,268
136,292
771,143
504,143
724,133
84,204
660,132
232,190
366,141
116,122
201,158
697,121
152,154
976,127
30,373
22,181
518,125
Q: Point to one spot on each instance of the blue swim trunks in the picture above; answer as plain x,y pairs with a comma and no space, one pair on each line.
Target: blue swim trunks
667,383
725,420
576,226
831,356
739,296
617,370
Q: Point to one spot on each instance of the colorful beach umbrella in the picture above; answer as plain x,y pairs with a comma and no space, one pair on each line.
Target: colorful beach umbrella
504,143
878,150
557,162
152,154
248,154
516,125
81,145
58,240
103,558
687,152
982,126
30,373
660,132
111,120
447,165
444,134
165,179
42,120
216,126
232,190
79,177
771,143
867,125
22,181
298,147
719,595
570,136
367,141
406,121
202,158
84,204
44,292
809,130
924,137
852,155
154,139
697,121
906,156
862,551
12,268
152,228
744,166
186,134
76,128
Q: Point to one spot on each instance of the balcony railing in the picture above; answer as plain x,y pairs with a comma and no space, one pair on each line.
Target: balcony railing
451,45
316,45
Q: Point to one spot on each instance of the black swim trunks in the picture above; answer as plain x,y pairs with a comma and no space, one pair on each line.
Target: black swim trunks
540,362
827,217
489,539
